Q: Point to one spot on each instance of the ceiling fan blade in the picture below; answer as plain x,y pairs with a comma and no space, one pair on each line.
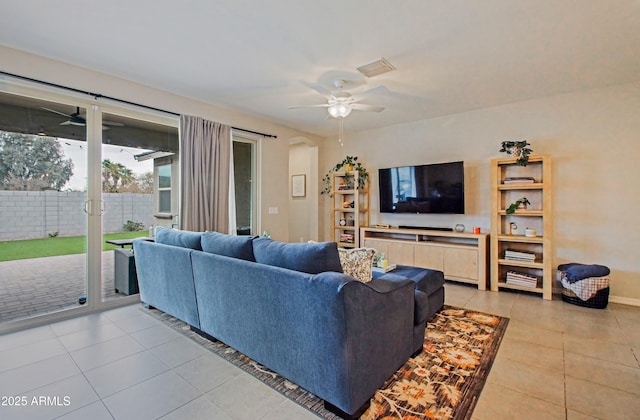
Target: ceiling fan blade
365,107
310,106
55,112
323,91
373,91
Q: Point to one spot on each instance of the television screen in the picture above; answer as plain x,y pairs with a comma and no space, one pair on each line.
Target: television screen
435,188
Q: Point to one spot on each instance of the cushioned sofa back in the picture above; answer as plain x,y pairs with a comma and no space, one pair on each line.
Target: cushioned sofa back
165,278
228,245
312,258
181,238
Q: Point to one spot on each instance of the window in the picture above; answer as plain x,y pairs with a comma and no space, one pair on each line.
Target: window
164,189
244,165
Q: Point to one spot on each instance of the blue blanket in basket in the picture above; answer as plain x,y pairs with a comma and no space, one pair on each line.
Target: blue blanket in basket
576,272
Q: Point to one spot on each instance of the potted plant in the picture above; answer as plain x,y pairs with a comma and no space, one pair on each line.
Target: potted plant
518,204
348,164
517,149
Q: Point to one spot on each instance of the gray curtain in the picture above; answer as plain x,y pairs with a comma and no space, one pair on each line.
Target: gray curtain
205,151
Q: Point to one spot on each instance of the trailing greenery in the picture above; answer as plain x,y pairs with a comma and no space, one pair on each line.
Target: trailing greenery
517,149
349,163
54,246
515,205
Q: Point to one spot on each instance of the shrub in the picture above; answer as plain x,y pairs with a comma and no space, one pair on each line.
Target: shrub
132,226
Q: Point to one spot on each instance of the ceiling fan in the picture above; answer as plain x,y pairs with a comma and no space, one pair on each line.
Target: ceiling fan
79,120
340,103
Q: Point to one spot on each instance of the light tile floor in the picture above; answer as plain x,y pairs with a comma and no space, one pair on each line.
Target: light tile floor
557,361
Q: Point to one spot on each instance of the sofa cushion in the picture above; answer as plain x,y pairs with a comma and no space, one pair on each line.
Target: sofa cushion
228,245
312,258
181,238
427,280
357,262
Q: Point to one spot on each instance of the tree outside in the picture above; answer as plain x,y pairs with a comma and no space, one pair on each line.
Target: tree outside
36,163
32,163
117,178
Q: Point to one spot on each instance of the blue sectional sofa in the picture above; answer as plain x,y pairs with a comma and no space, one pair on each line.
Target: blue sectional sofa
287,306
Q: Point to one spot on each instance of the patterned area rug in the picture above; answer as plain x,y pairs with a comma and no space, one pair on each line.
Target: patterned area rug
443,382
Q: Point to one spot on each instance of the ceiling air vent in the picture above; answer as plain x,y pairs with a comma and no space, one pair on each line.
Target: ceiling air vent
376,68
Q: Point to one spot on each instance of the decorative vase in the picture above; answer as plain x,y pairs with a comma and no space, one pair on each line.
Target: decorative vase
516,152
348,168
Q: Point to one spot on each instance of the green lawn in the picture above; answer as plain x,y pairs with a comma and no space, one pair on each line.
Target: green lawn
49,247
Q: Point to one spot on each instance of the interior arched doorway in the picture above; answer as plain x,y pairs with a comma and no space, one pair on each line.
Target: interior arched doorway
303,208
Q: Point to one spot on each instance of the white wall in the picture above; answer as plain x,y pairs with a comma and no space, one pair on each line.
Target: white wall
303,211
593,138
275,152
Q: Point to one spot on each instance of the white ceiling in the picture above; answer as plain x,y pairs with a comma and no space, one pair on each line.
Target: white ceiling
261,57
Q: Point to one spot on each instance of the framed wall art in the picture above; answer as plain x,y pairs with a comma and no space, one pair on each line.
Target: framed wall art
298,185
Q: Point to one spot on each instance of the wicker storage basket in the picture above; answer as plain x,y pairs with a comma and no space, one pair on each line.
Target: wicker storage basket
599,301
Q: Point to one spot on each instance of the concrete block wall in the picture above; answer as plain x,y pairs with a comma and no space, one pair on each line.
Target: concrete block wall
126,206
36,214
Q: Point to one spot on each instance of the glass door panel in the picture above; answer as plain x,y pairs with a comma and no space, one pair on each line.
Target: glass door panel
43,194
139,166
244,170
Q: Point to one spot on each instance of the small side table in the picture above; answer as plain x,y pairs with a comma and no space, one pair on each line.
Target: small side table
125,242
124,272
125,277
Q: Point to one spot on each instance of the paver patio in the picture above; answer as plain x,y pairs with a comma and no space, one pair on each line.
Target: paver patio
42,285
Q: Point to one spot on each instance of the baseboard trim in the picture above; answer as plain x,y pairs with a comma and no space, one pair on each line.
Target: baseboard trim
624,300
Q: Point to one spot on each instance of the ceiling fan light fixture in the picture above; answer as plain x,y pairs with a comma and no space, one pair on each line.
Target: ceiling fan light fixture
339,110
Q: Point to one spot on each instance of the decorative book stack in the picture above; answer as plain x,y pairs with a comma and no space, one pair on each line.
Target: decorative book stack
514,255
521,279
518,180
346,237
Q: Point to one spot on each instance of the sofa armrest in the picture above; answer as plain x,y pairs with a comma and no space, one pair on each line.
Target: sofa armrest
385,285
165,279
379,318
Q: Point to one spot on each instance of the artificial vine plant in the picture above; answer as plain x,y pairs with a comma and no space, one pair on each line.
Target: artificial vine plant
349,163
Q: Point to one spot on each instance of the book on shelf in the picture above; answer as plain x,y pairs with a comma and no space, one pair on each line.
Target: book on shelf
531,258
510,254
521,279
346,237
518,180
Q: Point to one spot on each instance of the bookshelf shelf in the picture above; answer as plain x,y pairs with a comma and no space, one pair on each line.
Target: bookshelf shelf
507,230
350,209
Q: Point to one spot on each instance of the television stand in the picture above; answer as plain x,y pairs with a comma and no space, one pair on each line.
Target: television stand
442,229
461,256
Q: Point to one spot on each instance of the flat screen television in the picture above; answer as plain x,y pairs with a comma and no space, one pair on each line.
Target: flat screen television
434,188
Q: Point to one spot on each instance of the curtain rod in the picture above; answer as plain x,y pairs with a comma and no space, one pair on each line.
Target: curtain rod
124,101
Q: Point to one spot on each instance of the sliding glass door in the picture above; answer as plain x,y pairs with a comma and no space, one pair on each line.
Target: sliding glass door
43,207
139,166
75,176
245,169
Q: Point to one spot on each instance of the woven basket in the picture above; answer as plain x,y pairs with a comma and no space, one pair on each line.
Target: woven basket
599,301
